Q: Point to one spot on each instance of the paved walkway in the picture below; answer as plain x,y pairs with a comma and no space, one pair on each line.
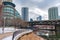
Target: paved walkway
5,35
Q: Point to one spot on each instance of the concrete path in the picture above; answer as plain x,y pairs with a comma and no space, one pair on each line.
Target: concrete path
5,35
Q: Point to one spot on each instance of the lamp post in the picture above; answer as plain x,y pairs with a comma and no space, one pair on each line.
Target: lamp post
4,24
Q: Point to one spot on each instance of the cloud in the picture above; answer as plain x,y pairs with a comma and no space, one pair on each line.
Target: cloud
42,4
54,4
58,4
38,12
37,6
36,0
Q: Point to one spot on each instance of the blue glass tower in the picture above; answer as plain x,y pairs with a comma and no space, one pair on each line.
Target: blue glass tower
31,20
25,13
39,18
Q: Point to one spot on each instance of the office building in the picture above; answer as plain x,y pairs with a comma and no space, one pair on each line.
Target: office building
53,13
25,13
39,18
9,12
7,0
31,19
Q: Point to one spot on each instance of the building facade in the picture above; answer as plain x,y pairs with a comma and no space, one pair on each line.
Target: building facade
31,20
9,12
25,13
7,0
39,18
53,13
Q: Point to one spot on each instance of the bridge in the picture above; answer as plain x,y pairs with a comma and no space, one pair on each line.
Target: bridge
45,22
54,23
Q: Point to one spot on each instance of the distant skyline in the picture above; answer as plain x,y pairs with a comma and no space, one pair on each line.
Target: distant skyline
39,7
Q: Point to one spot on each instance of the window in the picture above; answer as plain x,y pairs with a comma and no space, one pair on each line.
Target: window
8,9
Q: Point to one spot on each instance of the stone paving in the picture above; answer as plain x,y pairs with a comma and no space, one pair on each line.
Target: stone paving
5,35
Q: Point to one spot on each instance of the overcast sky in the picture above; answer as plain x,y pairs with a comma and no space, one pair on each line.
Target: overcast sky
37,7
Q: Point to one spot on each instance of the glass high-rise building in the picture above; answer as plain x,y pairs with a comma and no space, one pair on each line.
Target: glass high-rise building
53,13
9,11
31,20
25,13
39,18
7,0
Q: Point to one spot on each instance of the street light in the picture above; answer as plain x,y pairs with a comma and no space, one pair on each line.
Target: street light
4,24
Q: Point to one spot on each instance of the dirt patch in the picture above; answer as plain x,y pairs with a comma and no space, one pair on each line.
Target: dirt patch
30,36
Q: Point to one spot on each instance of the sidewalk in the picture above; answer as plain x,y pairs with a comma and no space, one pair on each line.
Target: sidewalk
5,35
